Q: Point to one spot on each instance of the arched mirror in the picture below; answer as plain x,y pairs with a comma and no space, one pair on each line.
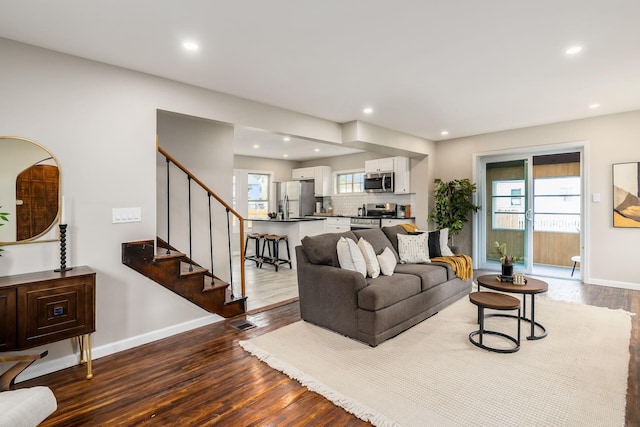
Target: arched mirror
29,191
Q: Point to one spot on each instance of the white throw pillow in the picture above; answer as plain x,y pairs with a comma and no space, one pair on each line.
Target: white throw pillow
387,261
370,259
445,250
350,257
413,249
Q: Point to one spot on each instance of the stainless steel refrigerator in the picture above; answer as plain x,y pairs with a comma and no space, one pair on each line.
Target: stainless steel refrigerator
298,196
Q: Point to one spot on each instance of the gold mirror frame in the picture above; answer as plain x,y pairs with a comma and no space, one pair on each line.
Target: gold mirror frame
18,155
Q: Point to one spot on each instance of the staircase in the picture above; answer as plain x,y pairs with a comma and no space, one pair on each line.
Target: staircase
175,271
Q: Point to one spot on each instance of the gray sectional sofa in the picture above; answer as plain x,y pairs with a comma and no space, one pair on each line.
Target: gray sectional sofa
366,309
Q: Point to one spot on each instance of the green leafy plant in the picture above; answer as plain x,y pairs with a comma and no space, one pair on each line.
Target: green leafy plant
4,216
506,258
453,204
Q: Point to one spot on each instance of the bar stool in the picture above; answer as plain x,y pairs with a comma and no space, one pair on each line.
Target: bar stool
494,301
575,259
272,241
258,238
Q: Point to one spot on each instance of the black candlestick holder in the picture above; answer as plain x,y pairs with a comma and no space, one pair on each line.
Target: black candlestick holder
63,250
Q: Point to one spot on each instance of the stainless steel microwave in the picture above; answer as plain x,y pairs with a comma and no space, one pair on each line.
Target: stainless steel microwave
379,182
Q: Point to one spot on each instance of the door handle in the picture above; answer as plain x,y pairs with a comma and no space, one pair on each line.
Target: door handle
529,215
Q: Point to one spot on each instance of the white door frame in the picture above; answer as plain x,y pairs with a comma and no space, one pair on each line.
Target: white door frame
477,171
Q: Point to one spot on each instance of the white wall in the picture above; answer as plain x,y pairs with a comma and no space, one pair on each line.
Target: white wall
100,123
201,146
609,139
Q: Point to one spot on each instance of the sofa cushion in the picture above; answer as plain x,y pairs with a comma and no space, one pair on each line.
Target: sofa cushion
434,244
413,248
384,291
387,262
321,249
444,243
350,257
392,234
430,274
370,259
378,240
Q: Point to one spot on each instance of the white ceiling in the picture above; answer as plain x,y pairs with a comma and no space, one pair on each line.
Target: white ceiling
424,66
257,143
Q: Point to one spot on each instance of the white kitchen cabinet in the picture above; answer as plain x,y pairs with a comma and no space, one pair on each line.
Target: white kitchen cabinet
321,176
388,222
338,224
379,165
402,176
322,179
303,173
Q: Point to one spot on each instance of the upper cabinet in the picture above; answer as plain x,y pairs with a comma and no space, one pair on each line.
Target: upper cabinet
379,165
398,165
321,176
402,176
303,173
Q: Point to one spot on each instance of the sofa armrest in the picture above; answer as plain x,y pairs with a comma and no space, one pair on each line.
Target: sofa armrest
328,295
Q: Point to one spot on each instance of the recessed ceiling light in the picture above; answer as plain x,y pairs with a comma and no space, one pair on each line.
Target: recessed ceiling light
368,110
444,132
286,138
256,146
190,46
285,155
316,149
573,50
594,105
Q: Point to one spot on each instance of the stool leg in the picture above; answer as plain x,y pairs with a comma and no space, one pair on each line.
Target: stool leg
288,253
574,268
258,258
276,253
265,245
246,242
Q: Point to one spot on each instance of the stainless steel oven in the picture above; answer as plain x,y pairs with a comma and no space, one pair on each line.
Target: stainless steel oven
361,223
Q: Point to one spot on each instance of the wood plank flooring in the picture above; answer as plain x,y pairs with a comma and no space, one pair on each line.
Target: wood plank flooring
203,377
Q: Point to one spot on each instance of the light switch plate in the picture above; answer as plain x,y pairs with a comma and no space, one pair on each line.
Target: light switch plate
596,197
122,215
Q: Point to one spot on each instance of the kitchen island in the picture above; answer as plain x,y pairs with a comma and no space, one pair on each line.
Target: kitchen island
294,228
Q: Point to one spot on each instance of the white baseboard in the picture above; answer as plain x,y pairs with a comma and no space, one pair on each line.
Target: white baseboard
47,366
614,284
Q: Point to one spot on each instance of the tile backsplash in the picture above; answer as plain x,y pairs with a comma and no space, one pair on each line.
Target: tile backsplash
349,204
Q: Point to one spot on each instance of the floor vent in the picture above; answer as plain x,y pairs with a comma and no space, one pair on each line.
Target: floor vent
241,324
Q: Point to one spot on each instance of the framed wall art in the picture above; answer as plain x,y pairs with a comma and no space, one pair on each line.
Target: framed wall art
626,195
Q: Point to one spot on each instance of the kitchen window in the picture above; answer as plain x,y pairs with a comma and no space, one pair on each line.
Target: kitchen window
350,182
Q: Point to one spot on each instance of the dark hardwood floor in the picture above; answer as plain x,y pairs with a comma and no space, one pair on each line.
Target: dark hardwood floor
203,377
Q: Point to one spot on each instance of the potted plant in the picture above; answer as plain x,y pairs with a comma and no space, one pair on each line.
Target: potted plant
453,203
4,216
506,259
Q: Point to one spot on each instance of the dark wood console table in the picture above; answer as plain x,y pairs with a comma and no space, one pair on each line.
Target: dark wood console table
45,307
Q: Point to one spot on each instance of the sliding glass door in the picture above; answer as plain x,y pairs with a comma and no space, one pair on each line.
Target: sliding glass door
533,204
507,214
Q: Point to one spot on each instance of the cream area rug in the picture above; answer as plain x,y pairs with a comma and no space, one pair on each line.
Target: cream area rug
431,375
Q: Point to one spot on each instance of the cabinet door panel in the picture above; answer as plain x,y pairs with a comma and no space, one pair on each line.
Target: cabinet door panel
7,319
51,312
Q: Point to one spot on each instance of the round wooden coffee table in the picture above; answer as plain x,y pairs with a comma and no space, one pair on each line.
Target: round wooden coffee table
532,287
494,301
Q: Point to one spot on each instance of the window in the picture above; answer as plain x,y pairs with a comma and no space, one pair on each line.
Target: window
508,201
258,195
350,182
556,204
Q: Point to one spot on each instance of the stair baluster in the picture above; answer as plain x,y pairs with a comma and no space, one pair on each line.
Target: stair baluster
168,210
211,238
229,243
190,238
